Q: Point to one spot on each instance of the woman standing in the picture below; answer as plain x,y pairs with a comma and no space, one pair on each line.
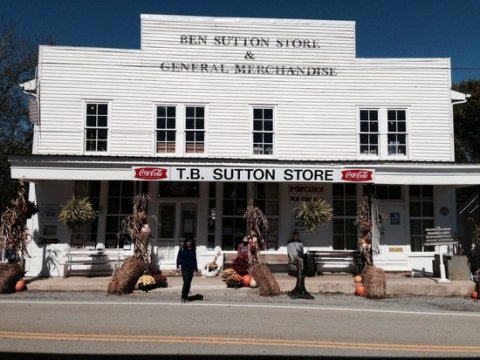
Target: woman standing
187,262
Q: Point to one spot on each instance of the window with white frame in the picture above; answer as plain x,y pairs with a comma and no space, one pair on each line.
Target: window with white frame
369,131
421,216
96,126
194,129
263,131
397,132
166,129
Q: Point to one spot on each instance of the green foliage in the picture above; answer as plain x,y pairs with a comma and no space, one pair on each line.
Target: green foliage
467,123
314,213
77,211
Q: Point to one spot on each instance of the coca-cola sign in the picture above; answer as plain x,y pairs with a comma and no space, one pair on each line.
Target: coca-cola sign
150,173
357,175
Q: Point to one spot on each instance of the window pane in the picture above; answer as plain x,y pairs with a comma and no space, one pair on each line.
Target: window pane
402,126
200,112
338,208
364,126
392,126
392,115
257,126
161,136
428,209
268,138
102,121
257,138
91,121
161,123
374,126
415,209
200,136
102,134
268,125
373,115
189,123
170,135
200,124
257,114
189,111
91,109
189,136
161,111
171,110
102,146
170,123
363,115
401,115
268,114
102,109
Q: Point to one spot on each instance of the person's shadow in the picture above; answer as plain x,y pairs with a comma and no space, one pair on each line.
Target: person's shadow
196,297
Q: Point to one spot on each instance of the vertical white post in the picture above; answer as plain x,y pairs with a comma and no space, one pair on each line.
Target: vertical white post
443,278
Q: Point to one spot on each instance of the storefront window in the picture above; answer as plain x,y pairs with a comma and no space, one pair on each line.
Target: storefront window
86,235
421,215
120,205
266,199
234,206
344,213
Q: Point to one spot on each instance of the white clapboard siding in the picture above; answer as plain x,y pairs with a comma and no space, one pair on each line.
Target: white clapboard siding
316,116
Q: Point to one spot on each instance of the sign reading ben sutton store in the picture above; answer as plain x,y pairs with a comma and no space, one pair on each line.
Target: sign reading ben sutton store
223,173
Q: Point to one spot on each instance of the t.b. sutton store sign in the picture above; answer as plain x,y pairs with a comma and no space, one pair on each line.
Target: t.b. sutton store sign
243,173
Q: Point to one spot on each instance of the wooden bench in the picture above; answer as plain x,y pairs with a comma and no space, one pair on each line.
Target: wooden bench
93,262
333,260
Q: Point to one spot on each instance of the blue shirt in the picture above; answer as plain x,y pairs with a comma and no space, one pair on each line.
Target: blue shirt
187,258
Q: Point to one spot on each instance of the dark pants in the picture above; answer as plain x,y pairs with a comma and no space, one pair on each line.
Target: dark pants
187,275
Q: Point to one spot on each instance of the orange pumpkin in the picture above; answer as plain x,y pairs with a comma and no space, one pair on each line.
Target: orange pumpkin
246,280
360,290
20,285
474,295
357,279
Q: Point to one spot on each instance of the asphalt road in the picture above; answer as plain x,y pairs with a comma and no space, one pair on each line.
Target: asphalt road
237,323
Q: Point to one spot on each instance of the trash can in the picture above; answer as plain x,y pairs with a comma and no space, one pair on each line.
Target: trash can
310,266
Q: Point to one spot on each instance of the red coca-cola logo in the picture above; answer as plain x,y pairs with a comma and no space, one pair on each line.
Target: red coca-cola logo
357,175
150,173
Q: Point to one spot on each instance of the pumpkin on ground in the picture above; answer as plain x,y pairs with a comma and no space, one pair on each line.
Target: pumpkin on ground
246,280
360,290
357,279
20,285
474,295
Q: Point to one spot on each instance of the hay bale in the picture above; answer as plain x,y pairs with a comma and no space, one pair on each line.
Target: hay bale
267,285
125,278
9,275
375,282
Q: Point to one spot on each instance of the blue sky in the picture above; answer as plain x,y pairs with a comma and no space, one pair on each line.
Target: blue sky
384,28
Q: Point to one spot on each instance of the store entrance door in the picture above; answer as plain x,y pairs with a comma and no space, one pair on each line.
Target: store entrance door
176,221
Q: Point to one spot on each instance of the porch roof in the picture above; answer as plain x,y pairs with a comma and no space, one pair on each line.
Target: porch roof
93,167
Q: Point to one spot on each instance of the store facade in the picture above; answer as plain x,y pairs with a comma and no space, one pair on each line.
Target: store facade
211,112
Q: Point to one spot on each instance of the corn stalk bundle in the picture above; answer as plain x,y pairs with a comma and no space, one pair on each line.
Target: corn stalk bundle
267,285
375,282
257,223
313,213
14,234
125,278
9,275
364,225
137,227
77,211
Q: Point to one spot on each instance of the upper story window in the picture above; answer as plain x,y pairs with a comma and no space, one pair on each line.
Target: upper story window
166,129
369,132
397,132
96,126
383,132
263,131
194,129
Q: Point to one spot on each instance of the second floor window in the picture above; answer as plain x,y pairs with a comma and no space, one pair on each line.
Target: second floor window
96,129
397,132
262,131
369,132
194,129
166,129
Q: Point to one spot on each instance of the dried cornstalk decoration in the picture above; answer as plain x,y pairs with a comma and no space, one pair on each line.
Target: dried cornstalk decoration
257,222
125,278
267,285
136,226
364,225
14,234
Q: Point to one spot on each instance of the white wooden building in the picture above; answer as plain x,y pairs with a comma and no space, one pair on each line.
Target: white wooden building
212,111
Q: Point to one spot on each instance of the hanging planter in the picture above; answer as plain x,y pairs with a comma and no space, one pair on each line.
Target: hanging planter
77,211
313,213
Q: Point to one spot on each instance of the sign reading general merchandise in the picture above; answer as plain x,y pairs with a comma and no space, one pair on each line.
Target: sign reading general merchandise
249,44
244,173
